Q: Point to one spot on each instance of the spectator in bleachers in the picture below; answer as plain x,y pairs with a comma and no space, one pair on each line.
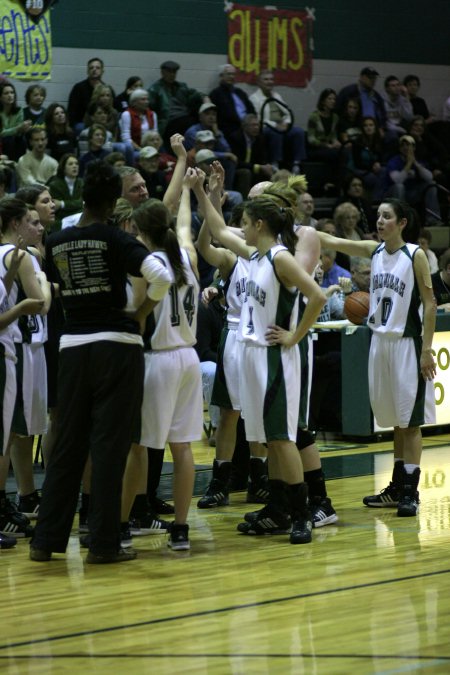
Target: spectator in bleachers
103,94
13,127
174,102
410,180
353,192
331,270
418,104
97,139
66,188
34,97
148,166
166,161
137,120
430,151
122,101
441,280
305,210
398,108
326,225
349,125
248,144
282,138
81,93
35,166
61,138
221,148
346,217
424,241
232,103
323,142
371,102
367,159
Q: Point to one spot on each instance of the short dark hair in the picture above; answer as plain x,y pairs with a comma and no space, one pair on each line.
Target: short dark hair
389,79
411,78
30,90
96,58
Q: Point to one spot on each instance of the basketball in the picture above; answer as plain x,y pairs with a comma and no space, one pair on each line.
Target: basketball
356,307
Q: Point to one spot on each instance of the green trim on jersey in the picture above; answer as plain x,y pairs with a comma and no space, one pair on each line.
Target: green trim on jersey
2,390
418,412
19,425
413,326
275,403
303,346
220,395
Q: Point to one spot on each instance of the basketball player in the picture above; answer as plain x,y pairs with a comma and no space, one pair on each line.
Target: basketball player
401,363
172,409
270,359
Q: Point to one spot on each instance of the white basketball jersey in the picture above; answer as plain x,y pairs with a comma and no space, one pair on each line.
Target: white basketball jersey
234,291
267,302
12,331
37,324
176,315
395,301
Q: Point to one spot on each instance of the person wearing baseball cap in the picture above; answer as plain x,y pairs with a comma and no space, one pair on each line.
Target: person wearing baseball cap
207,115
148,166
370,101
175,103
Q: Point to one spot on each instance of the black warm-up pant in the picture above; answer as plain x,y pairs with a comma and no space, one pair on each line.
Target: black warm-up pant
100,388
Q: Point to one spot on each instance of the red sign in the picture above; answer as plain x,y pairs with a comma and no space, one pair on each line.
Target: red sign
270,39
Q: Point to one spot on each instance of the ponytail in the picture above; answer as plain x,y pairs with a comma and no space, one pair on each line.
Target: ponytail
153,220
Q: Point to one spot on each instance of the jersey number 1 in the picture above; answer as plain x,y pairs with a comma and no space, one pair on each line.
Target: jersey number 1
188,305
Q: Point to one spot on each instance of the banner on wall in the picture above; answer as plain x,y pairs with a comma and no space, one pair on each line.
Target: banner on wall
261,38
25,42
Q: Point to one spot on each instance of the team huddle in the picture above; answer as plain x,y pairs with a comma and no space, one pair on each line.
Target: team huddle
129,378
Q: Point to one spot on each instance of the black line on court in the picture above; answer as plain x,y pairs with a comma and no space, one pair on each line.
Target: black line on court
222,610
405,657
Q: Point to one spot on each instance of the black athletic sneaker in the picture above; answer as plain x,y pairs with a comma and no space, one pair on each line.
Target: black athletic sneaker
8,508
258,491
179,537
105,558
301,532
322,512
148,524
29,505
408,506
126,539
387,498
83,525
159,506
7,542
216,495
268,521
13,525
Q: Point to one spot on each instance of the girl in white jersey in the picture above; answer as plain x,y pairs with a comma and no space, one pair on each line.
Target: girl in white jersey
401,364
11,522
20,225
269,333
172,409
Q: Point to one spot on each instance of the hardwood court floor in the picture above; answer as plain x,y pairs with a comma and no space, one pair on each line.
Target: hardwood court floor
371,594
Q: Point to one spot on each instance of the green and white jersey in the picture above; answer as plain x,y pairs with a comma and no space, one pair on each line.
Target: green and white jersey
395,304
234,291
173,322
267,302
11,332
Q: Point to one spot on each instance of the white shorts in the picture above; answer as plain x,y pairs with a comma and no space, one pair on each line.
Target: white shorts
30,414
270,392
398,394
172,409
7,396
226,384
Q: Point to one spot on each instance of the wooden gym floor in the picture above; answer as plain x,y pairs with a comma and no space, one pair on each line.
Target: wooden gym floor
371,594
